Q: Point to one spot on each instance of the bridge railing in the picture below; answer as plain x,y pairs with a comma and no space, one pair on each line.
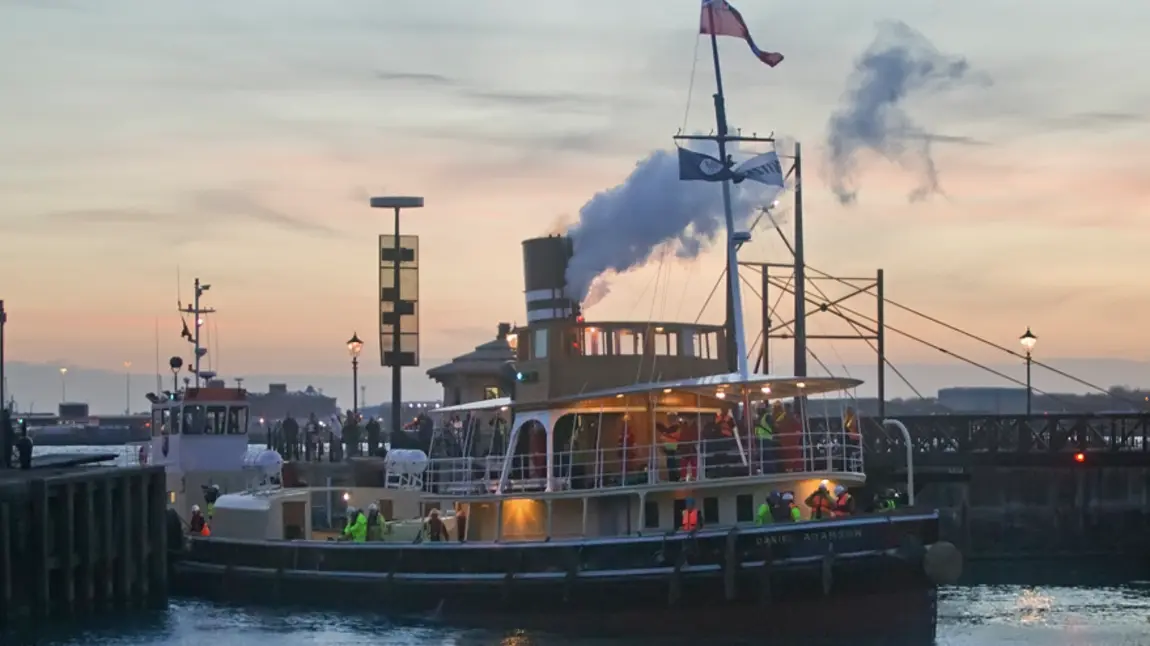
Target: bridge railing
1047,433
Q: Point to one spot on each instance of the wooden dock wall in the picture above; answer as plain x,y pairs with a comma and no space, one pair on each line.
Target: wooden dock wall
79,541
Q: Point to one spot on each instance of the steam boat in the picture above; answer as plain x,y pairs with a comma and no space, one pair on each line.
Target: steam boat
563,504
567,503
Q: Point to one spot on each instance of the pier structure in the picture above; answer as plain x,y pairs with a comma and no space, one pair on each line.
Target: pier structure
75,541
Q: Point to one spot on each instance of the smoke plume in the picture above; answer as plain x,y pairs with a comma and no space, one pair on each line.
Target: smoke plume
899,64
622,227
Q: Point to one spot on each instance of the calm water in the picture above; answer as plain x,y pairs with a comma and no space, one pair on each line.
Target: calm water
979,616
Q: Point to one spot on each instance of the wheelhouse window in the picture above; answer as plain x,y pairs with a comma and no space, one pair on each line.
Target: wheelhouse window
193,420
594,342
216,423
628,342
237,420
539,344
666,343
491,392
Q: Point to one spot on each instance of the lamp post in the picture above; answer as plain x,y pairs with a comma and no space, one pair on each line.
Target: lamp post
354,346
63,385
127,387
1028,340
396,203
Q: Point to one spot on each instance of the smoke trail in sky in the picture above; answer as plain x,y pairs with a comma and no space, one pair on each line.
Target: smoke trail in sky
901,63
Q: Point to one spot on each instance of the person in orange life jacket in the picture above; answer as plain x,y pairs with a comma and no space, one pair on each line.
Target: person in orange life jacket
790,510
844,502
198,526
820,503
690,516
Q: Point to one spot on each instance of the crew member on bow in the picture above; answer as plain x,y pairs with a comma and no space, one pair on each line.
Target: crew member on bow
844,502
356,528
690,521
792,511
820,503
198,526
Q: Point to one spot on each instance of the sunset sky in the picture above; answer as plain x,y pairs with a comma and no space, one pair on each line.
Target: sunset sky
239,142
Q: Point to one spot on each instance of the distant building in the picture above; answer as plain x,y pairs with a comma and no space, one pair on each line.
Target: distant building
483,373
277,403
984,399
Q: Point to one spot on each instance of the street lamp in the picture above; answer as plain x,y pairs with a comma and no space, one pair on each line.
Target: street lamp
396,203
63,385
354,347
1028,341
127,387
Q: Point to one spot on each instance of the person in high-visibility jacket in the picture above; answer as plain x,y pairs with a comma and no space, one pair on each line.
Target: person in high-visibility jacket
375,523
356,529
820,503
844,502
765,441
211,495
886,501
765,514
690,521
793,510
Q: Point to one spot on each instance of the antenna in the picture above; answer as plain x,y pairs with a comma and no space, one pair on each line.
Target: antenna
159,384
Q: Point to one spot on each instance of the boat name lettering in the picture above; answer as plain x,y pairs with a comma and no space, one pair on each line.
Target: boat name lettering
808,537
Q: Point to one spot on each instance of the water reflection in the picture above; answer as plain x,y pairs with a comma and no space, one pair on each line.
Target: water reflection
974,616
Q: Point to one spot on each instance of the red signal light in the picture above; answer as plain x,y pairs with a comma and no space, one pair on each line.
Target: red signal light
1079,457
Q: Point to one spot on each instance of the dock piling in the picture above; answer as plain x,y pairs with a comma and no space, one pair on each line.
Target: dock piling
63,530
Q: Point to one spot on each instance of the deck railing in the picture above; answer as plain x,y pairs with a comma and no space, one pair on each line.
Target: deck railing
616,467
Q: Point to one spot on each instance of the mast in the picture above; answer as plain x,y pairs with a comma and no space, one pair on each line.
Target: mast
733,325
196,311
800,271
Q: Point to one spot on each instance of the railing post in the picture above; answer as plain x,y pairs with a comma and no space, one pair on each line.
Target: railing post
909,456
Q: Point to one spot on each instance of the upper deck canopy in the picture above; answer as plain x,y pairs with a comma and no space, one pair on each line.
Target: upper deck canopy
498,403
731,385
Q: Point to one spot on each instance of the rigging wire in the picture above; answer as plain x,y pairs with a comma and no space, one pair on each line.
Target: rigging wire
703,309
934,346
886,361
691,83
984,341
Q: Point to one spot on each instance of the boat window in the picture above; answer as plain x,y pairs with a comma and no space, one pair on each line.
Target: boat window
666,344
651,514
710,511
491,392
539,344
237,420
594,342
708,345
158,418
744,508
628,342
192,421
216,422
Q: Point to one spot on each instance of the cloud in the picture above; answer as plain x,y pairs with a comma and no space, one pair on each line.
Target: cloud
567,101
213,209
423,78
228,202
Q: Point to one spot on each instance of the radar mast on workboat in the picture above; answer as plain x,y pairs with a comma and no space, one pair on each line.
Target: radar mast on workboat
200,433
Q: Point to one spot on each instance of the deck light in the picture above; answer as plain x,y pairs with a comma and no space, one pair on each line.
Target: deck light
801,384
1079,457
721,395
766,390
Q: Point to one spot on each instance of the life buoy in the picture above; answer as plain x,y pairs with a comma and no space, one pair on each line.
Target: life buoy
142,455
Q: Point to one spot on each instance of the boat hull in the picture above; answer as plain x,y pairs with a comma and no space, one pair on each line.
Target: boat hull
809,581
